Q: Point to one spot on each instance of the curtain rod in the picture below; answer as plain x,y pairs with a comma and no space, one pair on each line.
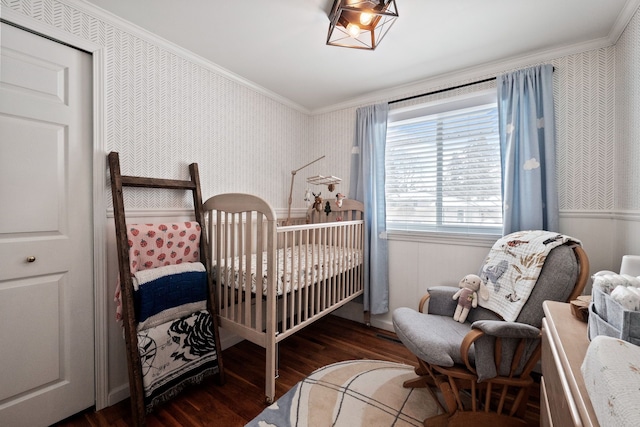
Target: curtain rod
441,90
444,90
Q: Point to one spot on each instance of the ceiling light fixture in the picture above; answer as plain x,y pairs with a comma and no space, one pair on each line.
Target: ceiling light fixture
360,24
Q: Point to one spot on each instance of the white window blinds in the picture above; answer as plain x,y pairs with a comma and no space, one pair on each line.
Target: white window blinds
443,172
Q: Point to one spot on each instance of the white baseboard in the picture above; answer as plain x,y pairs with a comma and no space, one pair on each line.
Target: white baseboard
355,311
227,339
382,324
118,394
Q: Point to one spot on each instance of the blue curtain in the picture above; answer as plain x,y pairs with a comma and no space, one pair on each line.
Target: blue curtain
367,186
527,144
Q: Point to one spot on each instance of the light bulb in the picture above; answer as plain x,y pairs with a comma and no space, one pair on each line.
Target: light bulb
366,18
353,30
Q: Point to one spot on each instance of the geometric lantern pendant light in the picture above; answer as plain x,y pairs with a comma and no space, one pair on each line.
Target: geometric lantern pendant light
360,24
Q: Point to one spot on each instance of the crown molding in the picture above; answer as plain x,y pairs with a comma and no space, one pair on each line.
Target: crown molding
468,74
491,68
133,29
443,80
628,12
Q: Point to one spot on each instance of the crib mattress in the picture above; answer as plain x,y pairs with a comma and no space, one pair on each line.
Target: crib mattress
305,265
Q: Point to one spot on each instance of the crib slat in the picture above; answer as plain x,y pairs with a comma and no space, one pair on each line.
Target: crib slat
314,298
260,247
248,267
234,267
285,294
333,248
307,277
295,273
218,260
352,247
301,273
339,264
325,276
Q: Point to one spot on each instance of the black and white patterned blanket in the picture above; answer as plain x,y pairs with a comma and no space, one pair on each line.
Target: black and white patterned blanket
175,354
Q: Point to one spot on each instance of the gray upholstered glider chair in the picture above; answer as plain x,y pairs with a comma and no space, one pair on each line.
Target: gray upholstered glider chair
483,366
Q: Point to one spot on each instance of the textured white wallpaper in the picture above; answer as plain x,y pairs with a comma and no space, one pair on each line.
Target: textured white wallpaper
164,112
627,173
584,93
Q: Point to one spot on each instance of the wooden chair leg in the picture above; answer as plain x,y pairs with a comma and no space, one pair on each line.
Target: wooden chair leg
520,404
422,368
419,382
424,378
449,397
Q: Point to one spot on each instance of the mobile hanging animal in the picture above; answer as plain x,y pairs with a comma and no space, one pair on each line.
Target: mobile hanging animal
317,204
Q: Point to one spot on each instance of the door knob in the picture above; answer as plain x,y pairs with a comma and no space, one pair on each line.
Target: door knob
31,259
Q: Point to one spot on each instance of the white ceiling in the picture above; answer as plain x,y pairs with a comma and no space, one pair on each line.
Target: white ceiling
280,44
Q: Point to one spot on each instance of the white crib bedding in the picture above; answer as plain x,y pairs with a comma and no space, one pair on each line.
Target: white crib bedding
305,264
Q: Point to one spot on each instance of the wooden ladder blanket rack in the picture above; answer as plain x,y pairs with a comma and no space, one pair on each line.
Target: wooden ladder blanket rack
131,324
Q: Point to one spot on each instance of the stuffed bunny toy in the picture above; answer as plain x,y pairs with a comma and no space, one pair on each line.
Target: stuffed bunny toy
467,296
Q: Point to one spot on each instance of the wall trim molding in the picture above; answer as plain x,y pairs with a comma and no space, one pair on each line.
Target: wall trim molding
627,14
469,74
478,240
118,393
281,213
627,215
154,213
100,230
448,79
622,215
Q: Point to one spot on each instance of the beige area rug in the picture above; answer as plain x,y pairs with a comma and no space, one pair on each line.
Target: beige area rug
351,394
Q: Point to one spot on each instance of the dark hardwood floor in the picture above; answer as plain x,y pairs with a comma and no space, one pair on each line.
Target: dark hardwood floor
241,398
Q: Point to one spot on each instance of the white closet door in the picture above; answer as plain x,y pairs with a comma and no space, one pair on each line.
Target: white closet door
46,243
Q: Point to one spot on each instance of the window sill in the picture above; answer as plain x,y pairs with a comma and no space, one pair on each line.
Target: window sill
444,238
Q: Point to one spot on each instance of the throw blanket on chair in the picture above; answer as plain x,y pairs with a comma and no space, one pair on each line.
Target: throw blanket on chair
512,268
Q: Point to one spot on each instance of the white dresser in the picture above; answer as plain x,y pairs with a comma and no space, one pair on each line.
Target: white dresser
563,397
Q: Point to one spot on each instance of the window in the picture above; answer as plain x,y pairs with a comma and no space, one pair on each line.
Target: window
443,167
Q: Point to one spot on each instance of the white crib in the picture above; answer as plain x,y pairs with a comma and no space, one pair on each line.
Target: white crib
270,280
